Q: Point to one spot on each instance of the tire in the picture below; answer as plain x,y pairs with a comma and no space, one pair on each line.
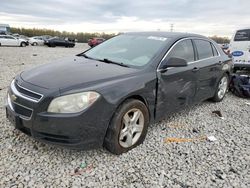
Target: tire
23,44
235,70
117,136
221,88
35,44
51,45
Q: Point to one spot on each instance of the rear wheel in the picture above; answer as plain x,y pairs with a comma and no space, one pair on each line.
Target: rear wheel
128,127
35,44
222,88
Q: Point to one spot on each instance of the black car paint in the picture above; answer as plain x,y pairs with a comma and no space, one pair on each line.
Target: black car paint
53,42
163,92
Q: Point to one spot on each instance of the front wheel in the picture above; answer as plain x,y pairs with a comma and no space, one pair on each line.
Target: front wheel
23,44
128,127
221,89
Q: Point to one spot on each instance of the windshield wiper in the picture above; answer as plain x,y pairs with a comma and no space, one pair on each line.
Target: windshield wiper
105,60
84,55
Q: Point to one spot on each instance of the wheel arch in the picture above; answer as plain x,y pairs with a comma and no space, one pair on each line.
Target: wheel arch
130,97
135,97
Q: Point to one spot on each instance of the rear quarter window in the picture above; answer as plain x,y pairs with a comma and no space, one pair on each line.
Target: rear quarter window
204,49
242,35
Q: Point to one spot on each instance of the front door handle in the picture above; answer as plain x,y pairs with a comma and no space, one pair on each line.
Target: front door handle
195,69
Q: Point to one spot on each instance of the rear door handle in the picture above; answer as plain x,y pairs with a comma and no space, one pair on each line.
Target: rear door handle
195,69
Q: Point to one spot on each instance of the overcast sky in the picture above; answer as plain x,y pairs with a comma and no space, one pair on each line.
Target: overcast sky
207,17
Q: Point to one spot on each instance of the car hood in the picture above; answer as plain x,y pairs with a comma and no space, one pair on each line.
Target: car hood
74,71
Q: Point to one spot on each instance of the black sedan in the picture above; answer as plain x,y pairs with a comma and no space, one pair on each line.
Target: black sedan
53,42
108,95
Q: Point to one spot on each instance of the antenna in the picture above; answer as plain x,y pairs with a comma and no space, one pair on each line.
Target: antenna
171,27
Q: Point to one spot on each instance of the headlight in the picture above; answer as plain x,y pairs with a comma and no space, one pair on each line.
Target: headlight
73,103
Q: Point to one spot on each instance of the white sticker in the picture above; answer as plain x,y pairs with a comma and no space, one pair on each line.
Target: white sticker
157,38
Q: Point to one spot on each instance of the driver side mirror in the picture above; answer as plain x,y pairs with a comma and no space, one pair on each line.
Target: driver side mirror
173,62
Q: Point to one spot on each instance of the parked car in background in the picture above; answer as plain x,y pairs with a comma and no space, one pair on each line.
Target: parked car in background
117,89
240,49
34,41
53,42
9,40
95,41
46,37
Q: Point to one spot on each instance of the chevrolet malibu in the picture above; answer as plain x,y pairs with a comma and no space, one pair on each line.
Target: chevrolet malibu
108,95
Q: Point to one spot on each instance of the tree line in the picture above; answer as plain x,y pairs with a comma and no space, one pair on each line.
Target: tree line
220,40
80,36
83,36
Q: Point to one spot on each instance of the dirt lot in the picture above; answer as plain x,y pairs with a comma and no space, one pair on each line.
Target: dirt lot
188,162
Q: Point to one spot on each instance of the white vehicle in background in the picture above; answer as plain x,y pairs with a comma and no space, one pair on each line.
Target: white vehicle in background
34,41
8,40
240,49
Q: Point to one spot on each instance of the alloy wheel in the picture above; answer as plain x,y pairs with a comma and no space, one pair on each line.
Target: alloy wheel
222,88
132,127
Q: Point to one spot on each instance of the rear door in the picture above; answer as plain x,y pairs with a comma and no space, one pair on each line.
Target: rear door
177,85
208,69
240,47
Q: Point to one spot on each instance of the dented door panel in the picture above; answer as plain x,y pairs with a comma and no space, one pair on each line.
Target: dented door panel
176,90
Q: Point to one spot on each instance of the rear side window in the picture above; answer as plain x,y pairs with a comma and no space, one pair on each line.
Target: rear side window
204,49
215,52
242,35
183,50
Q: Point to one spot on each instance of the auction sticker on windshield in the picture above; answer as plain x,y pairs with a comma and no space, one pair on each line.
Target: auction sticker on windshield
157,38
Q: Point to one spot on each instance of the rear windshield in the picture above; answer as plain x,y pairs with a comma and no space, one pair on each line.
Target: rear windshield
242,35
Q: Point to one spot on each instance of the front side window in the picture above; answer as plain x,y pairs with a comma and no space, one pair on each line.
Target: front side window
131,50
183,50
242,35
204,49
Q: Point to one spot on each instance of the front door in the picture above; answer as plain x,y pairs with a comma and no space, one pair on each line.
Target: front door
11,41
177,85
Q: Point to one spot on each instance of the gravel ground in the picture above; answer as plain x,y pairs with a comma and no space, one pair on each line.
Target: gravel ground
195,162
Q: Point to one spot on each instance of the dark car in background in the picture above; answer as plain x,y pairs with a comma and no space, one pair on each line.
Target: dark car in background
53,42
95,41
108,95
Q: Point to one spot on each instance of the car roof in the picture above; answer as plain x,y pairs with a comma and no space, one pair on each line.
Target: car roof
243,29
165,34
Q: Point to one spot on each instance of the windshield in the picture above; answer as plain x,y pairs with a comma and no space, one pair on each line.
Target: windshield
131,50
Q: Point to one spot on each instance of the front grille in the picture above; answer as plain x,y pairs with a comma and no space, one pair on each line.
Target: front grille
57,138
20,100
23,111
28,93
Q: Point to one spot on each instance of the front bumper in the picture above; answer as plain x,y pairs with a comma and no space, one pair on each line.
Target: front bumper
84,130
239,66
